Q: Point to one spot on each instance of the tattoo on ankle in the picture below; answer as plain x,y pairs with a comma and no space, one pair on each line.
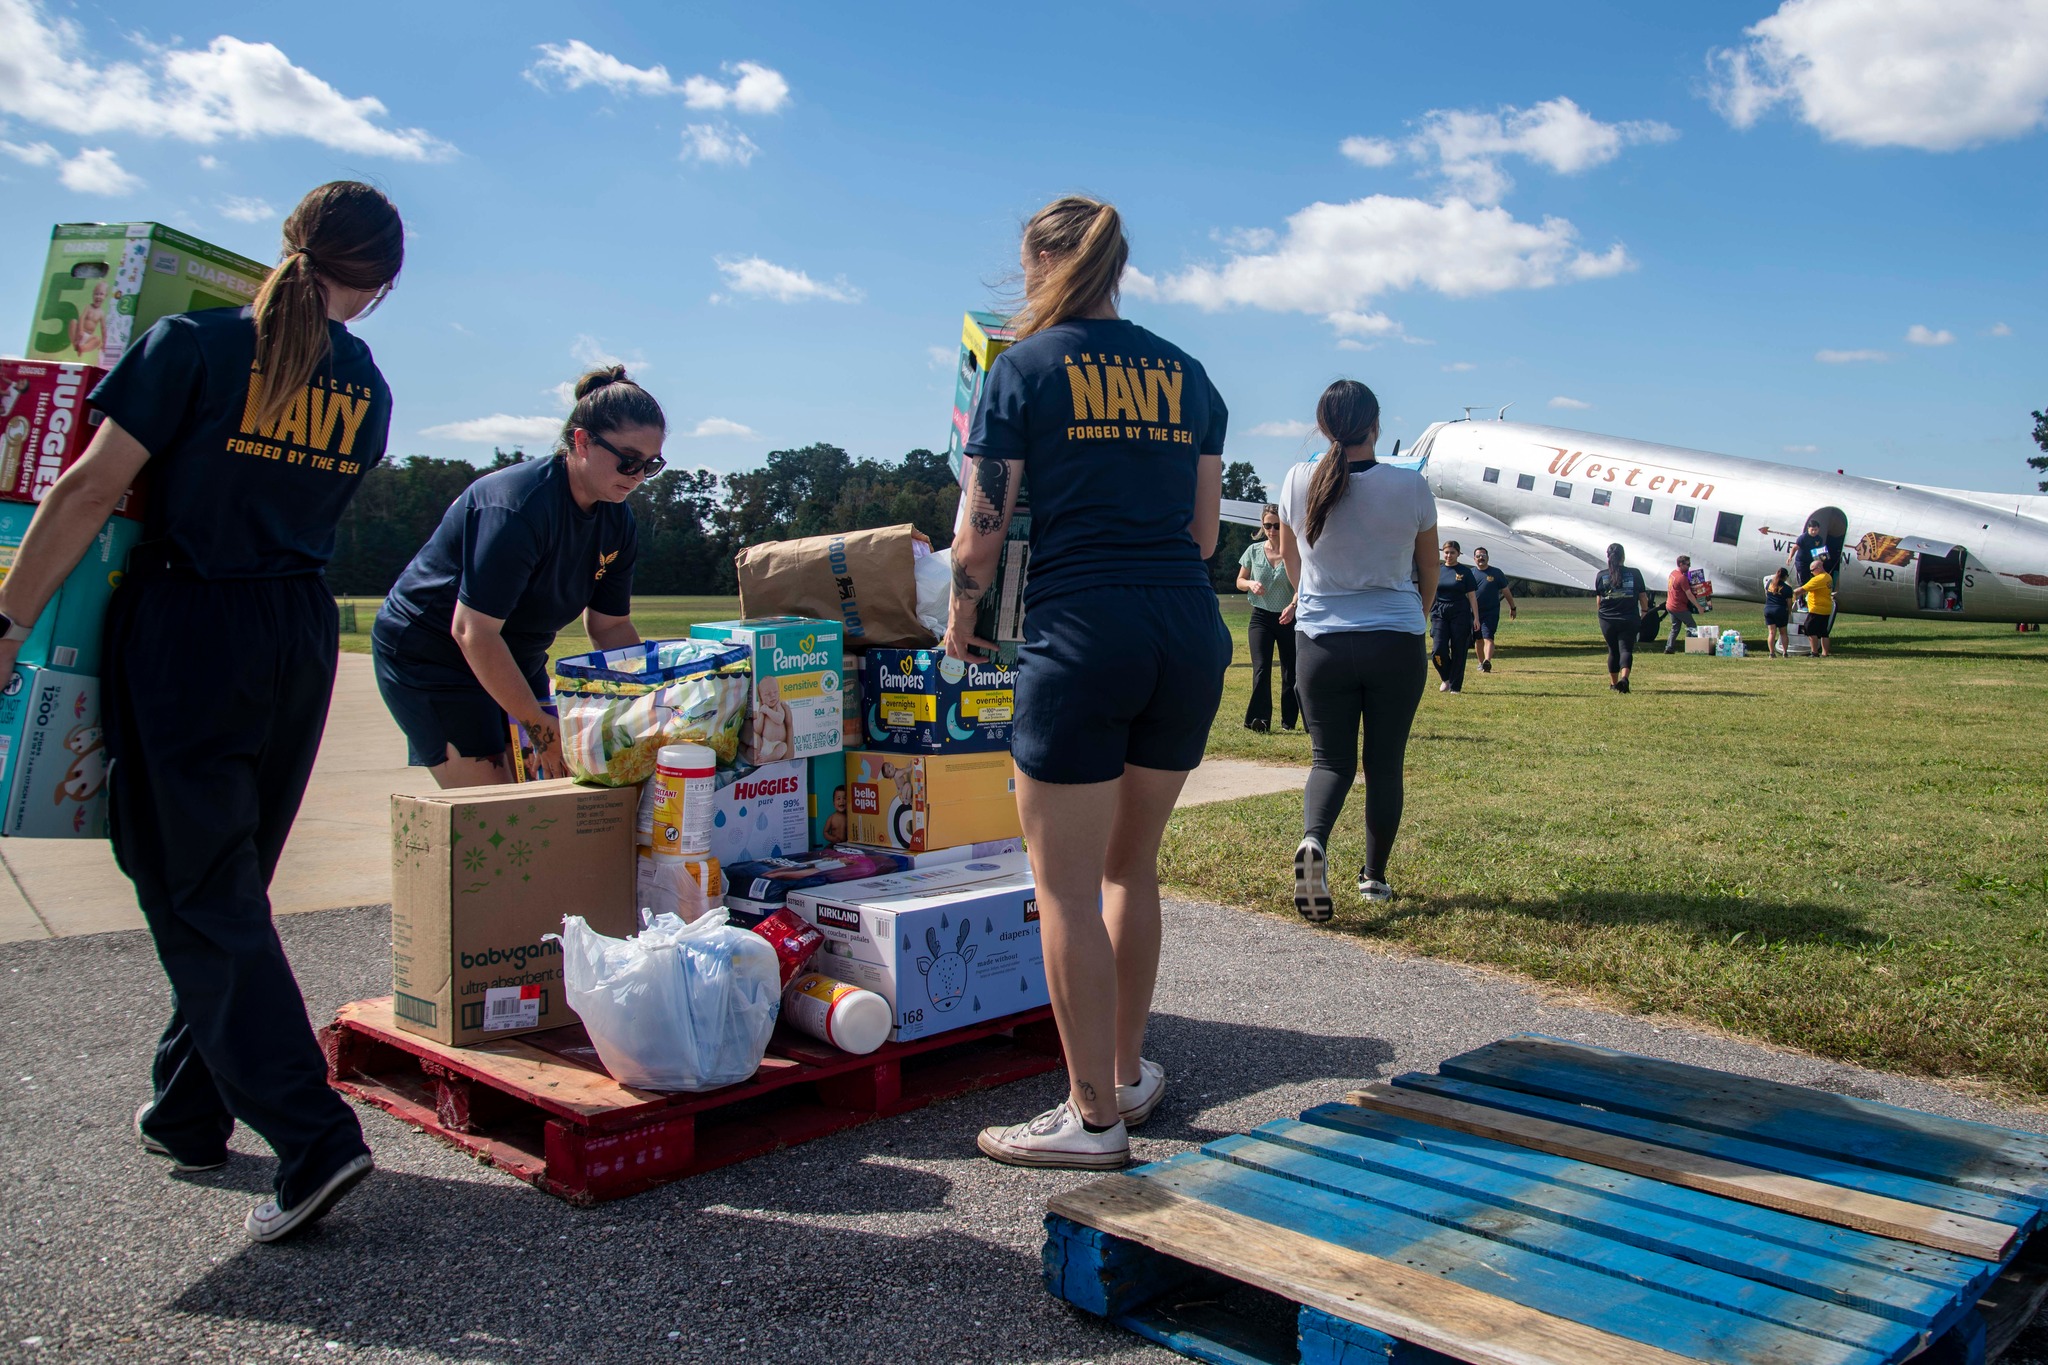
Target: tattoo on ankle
1087,1090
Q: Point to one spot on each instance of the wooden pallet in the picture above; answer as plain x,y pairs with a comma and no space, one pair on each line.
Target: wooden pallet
541,1107
1541,1201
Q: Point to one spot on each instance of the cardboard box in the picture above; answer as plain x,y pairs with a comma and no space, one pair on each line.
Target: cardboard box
999,617
922,700
53,761
945,946
918,802
107,283
983,337
1699,644
762,813
478,876
68,633
799,664
940,857
827,798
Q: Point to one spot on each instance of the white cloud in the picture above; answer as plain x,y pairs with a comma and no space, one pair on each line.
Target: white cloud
1575,404
1467,145
1999,329
229,88
95,171
1801,450
1292,429
31,153
1370,151
1921,336
755,89
587,351
1459,367
719,426
500,429
1931,74
753,275
1136,284
209,163
717,144
1849,357
942,357
244,210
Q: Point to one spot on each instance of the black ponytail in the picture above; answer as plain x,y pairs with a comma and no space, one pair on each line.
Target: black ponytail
607,401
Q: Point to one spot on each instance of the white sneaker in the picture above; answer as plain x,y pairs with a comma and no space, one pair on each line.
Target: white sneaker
268,1223
1312,882
1374,890
1135,1103
1057,1138
155,1148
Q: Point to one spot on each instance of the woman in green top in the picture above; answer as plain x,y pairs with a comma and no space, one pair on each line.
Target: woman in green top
1262,575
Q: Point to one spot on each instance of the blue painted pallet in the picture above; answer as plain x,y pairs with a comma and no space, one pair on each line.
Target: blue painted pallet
1541,1201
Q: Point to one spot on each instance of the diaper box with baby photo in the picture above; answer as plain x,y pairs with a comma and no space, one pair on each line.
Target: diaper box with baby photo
920,802
798,685
923,700
67,633
53,758
107,283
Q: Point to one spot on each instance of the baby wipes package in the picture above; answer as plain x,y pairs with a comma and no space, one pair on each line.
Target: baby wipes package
798,687
923,701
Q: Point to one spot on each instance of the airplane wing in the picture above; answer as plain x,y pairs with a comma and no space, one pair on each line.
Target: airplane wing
1517,554
1242,513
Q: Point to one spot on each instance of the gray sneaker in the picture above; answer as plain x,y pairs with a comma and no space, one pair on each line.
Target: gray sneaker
269,1223
1373,889
1312,882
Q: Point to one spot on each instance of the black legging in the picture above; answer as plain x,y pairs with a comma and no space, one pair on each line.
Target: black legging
1621,641
1368,680
1265,636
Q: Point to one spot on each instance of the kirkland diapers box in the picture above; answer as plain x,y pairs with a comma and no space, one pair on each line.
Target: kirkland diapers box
798,688
106,283
923,700
945,946
478,876
67,634
53,761
917,802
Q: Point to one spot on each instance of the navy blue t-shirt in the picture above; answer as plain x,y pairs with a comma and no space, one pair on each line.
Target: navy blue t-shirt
1620,594
1453,581
228,498
1110,422
1491,581
514,546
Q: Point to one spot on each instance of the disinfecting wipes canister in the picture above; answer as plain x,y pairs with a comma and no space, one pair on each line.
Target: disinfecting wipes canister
683,780
847,1017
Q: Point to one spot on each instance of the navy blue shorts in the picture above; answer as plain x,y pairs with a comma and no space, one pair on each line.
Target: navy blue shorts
437,706
1116,676
1489,622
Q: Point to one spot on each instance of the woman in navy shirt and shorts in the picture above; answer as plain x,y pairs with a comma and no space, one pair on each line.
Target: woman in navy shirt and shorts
1121,670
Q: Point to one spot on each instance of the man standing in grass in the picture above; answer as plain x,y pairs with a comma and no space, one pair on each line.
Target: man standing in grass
1493,589
1680,602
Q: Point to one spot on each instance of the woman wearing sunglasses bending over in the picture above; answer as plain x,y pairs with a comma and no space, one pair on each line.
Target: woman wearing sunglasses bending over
462,641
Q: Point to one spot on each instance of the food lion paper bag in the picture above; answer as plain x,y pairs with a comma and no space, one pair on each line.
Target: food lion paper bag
863,579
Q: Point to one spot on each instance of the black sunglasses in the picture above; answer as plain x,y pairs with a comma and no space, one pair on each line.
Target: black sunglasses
629,465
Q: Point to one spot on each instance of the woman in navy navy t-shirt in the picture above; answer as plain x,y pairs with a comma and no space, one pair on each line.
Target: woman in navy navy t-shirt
1121,434
256,426
462,640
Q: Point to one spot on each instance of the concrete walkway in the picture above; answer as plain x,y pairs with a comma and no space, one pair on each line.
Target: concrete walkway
339,854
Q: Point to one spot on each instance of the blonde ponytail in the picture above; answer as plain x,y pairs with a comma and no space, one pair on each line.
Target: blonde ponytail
1084,239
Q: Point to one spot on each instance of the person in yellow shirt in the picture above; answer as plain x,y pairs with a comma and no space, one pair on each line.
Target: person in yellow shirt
1820,609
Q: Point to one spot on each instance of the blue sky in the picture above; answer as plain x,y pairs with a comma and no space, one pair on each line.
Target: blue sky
1809,233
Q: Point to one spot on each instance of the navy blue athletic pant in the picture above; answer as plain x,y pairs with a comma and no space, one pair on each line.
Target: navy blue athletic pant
215,696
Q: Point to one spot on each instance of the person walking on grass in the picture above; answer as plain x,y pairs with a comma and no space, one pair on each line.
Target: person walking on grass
1453,618
1122,664
256,426
1360,539
1681,602
1819,625
1623,598
1493,590
1778,613
1262,576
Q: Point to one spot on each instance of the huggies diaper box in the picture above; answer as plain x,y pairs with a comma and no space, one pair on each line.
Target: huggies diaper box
923,700
920,802
945,946
755,813
798,684
53,760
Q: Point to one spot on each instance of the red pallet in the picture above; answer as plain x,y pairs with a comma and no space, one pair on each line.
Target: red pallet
541,1107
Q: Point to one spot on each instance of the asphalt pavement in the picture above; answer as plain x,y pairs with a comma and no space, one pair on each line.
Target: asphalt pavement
889,1243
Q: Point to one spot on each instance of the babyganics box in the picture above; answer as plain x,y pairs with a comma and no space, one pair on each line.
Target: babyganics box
945,946
53,761
922,700
918,802
106,283
798,665
67,634
479,875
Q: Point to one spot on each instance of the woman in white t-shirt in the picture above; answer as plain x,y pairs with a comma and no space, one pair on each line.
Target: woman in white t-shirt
1359,538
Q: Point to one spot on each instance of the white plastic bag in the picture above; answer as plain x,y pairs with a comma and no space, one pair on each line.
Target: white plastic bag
677,1006
934,589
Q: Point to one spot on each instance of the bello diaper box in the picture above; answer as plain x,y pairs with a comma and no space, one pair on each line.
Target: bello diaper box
479,876
945,946
106,283
53,761
798,684
923,700
67,633
919,802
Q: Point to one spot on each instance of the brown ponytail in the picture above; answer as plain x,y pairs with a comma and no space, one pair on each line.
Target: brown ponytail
1085,239
1348,414
345,233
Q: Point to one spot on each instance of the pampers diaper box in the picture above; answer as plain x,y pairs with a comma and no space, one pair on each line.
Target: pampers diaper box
67,634
53,760
106,283
798,684
922,700
945,946
919,802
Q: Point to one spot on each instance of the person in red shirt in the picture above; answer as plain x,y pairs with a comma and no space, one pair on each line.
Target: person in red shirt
1680,602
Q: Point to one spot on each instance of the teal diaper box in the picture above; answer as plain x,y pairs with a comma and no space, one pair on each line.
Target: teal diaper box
53,761
67,633
799,668
922,701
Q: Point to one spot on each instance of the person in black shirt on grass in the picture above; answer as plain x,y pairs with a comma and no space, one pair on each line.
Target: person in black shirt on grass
1452,618
1624,597
1493,590
255,426
462,640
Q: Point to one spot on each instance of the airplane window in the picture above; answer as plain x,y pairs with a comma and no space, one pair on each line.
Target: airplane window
1643,506
1601,497
1681,513
1563,490
1491,476
1525,482
1728,529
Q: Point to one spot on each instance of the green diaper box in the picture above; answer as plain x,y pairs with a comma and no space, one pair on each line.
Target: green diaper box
107,283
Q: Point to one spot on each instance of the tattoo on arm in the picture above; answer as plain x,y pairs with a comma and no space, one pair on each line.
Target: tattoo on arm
964,584
990,496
